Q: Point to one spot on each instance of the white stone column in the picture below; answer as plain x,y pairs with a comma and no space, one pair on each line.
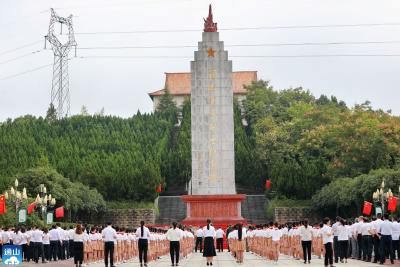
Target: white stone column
213,163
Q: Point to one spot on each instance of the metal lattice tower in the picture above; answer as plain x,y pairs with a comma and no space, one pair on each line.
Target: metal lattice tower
60,97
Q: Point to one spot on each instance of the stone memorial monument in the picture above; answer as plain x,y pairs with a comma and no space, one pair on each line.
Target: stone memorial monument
212,192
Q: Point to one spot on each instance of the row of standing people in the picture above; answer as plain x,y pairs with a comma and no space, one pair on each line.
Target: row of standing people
87,245
336,242
145,244
48,244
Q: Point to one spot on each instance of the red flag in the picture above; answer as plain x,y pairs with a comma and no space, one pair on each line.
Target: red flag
3,208
60,212
31,207
392,204
367,208
267,184
159,189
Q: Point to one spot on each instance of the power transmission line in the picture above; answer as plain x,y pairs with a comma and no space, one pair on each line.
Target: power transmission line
19,57
20,47
195,46
186,57
247,28
25,72
239,45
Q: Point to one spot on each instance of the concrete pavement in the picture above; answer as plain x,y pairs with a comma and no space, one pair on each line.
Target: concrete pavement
224,260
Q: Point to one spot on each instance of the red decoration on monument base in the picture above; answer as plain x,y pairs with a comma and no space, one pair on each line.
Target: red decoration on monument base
221,209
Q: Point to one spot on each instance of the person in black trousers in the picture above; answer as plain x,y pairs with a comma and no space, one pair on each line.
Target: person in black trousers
143,234
109,236
199,240
220,239
376,221
395,238
306,239
54,242
71,232
174,236
386,232
327,237
359,237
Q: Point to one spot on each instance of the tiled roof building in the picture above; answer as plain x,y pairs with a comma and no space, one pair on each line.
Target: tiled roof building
179,85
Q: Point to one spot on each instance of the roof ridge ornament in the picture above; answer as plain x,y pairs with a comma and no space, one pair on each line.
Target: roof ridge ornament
209,25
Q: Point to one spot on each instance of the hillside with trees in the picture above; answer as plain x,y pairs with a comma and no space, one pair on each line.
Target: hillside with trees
304,144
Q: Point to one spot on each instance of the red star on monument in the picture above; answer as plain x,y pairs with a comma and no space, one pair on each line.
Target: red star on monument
211,52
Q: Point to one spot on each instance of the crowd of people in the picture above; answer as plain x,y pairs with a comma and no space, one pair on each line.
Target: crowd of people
369,240
93,244
374,240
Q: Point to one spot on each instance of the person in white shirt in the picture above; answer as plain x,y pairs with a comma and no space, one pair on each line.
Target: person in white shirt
24,243
336,251
220,239
209,248
174,235
46,244
353,239
61,247
358,226
306,240
78,238
109,235
37,240
327,239
66,243
240,246
276,235
143,234
54,242
199,240
367,231
5,237
386,231
343,239
71,233
395,237
376,223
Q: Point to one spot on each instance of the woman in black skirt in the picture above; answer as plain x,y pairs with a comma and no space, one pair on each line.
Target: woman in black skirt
78,245
209,248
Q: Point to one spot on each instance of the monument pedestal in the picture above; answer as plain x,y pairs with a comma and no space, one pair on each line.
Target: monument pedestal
221,209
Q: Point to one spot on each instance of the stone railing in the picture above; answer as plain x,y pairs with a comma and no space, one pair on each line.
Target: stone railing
295,214
128,218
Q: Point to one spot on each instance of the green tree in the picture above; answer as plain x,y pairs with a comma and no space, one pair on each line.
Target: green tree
51,114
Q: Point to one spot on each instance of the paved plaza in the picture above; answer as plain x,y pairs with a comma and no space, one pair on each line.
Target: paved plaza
225,260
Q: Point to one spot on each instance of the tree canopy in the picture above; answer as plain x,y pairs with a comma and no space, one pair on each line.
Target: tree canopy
305,145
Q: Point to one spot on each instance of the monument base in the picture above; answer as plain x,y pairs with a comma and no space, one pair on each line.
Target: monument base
221,209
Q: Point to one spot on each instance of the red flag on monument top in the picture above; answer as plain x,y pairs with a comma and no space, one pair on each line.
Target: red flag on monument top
268,184
3,208
60,212
392,204
159,188
367,208
31,207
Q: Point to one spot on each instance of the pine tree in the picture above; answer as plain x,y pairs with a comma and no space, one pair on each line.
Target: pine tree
51,115
84,111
